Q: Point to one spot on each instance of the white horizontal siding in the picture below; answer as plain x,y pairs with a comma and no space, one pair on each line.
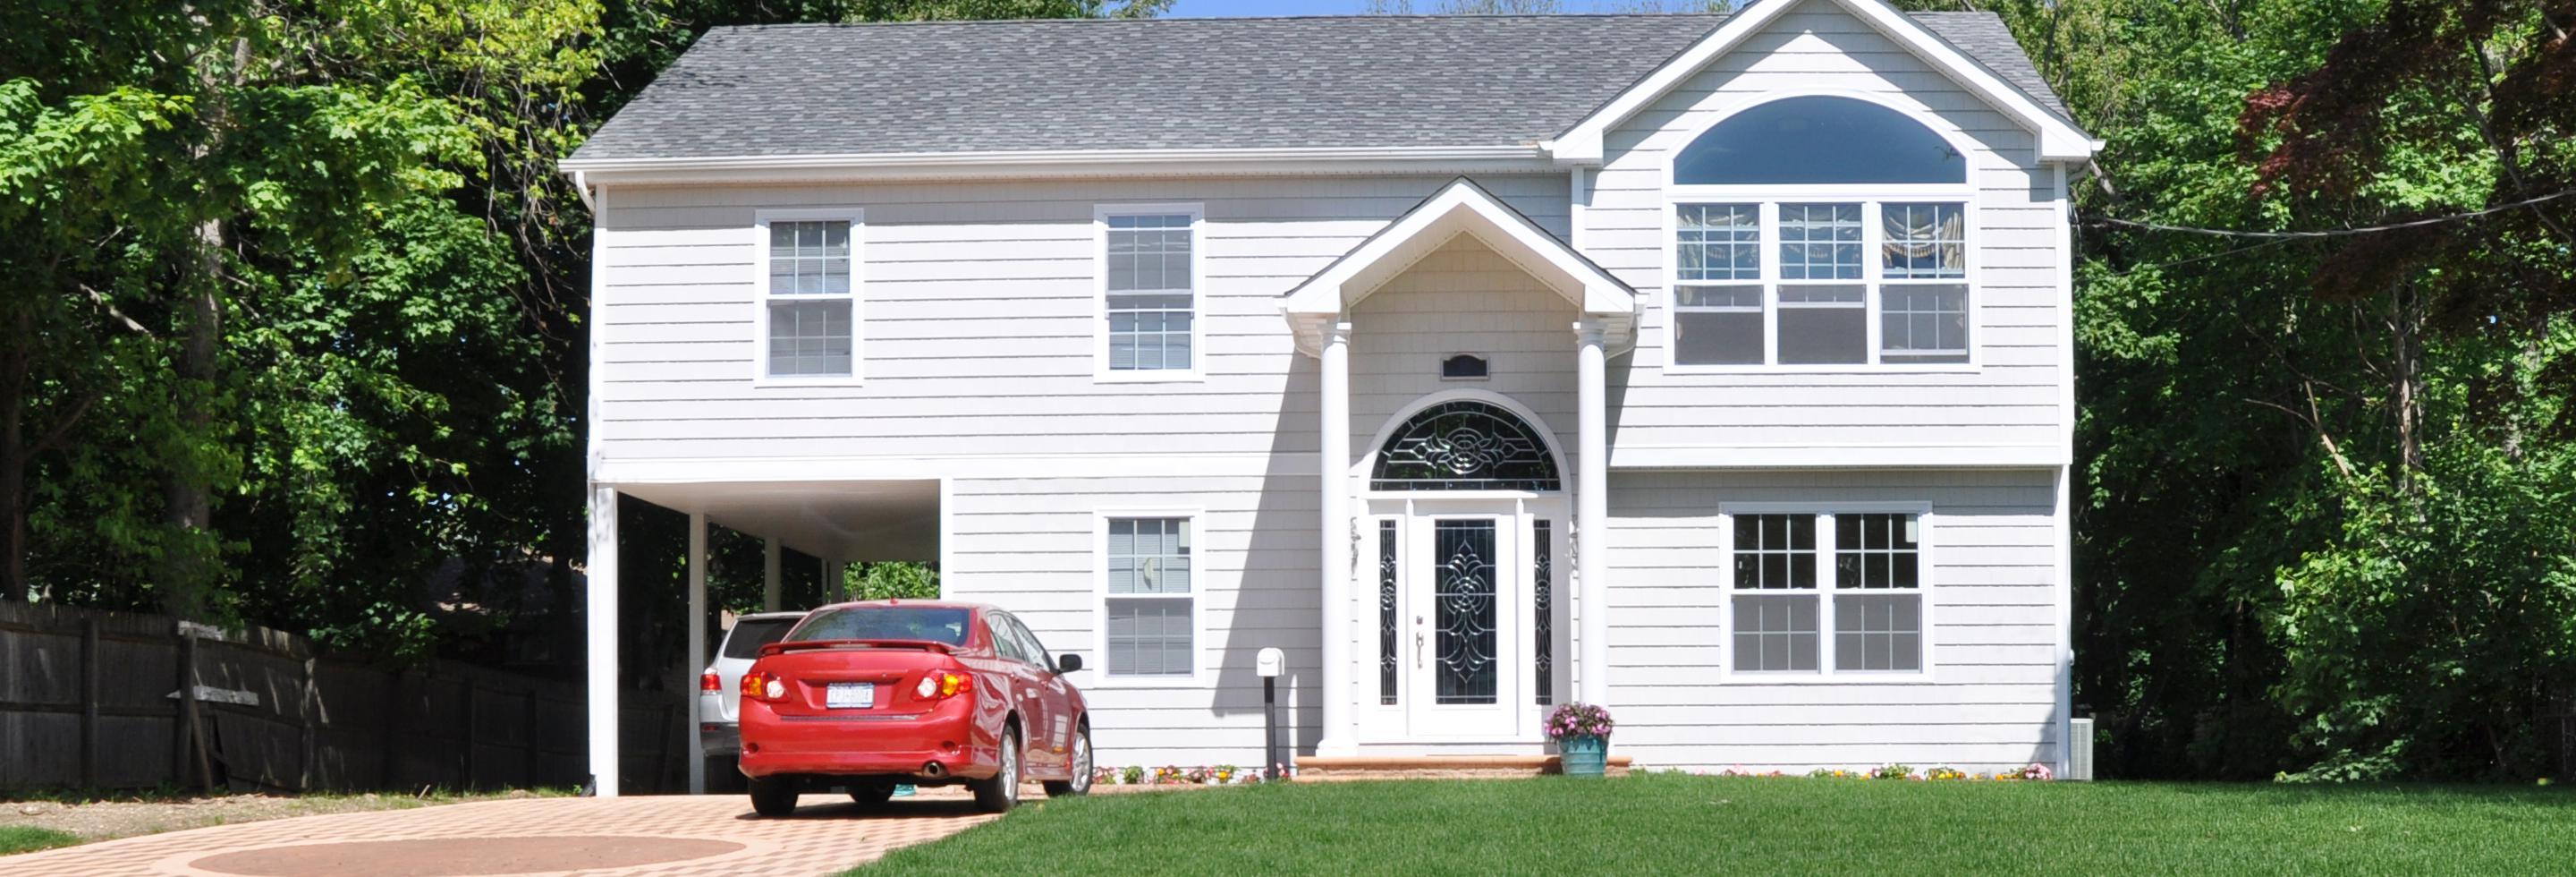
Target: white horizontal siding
1028,545
978,318
1991,699
1462,298
2010,399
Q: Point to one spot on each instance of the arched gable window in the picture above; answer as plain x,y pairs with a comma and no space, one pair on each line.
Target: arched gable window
1465,445
1831,140
1820,232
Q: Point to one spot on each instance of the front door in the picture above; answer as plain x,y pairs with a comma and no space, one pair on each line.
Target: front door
1460,611
1460,603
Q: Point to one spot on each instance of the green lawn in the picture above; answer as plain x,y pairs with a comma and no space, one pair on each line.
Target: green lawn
25,838
1676,824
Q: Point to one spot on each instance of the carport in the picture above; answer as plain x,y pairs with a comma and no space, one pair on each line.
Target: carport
840,522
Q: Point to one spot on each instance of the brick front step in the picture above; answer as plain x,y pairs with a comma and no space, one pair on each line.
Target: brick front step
1440,767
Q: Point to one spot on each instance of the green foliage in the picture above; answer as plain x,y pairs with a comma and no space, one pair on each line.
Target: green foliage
893,580
28,838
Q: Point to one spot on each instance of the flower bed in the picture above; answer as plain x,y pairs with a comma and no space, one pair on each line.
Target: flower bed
1174,775
1890,772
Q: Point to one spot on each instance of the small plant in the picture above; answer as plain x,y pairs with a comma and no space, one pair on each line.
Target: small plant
1133,776
1893,772
1578,720
1945,773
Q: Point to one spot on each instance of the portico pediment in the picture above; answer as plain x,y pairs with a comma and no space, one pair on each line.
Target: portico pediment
1465,208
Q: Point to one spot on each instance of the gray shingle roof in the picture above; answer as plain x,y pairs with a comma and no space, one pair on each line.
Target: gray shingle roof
1170,84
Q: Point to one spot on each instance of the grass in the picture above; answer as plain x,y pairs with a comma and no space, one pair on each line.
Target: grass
1681,824
27,838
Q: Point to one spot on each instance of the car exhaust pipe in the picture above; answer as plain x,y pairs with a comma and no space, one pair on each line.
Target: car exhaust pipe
933,769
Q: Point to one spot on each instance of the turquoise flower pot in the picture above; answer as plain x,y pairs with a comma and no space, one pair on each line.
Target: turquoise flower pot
1585,756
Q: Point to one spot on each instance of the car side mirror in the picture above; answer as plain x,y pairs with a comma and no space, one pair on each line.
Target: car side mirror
1068,663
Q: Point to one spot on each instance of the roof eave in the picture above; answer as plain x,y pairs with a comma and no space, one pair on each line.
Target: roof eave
1043,163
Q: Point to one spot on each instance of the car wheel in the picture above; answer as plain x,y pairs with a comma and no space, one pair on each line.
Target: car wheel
1080,783
871,794
996,795
773,796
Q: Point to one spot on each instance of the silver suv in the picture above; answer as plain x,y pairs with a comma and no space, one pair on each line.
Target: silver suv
719,687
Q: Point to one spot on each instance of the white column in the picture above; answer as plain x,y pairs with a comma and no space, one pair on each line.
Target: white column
697,644
1591,517
769,587
1334,460
600,587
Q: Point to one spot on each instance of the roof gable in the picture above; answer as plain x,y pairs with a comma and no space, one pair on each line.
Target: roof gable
2059,138
1462,207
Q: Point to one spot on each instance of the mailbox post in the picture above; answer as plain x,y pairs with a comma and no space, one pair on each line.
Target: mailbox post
1267,664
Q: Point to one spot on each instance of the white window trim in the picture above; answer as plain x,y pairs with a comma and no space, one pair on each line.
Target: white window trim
1825,673
1101,372
1199,674
1768,200
760,376
1871,195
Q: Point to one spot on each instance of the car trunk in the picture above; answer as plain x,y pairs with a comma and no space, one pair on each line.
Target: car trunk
812,672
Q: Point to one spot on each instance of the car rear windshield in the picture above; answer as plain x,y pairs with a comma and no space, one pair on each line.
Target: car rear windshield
751,633
885,622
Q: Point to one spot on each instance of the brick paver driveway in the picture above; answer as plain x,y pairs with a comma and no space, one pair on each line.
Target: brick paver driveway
665,835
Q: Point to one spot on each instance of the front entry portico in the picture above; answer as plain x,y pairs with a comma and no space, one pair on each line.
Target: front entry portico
1460,594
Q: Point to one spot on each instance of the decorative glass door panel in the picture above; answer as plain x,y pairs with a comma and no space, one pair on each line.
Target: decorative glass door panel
1462,611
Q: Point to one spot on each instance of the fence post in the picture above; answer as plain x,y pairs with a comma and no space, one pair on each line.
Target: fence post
304,777
89,702
193,732
466,683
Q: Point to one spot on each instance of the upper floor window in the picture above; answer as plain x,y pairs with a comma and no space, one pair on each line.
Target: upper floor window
1811,140
809,304
1820,231
1150,281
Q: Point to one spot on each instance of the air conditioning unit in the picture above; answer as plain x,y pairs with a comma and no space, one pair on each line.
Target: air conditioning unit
2079,749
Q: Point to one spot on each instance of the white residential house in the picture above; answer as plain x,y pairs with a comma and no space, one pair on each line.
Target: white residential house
1716,369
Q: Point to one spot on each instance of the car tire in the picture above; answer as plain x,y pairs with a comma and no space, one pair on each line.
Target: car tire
1080,782
998,793
871,794
773,796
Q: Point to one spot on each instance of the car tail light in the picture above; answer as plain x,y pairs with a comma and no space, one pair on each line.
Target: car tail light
942,685
763,686
707,681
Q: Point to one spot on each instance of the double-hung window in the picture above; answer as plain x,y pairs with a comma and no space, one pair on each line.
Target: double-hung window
1149,273
1819,231
809,295
1827,594
1149,608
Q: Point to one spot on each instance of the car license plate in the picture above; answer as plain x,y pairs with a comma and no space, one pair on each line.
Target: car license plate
850,695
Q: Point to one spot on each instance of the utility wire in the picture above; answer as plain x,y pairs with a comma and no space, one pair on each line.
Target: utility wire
2330,233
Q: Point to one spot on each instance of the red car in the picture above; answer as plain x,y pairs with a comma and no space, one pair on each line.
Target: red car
867,695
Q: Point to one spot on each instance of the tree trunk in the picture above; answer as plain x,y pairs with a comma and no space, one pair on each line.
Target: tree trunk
2406,372
13,456
186,491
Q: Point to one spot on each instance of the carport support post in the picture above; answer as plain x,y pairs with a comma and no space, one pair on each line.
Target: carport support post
769,575
600,621
697,644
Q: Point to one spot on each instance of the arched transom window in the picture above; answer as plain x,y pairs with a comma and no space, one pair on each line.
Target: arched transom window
1820,231
1465,445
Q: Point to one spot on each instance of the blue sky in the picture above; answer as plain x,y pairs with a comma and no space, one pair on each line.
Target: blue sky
1219,8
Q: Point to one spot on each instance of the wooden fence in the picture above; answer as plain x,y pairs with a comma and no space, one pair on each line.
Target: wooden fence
115,700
